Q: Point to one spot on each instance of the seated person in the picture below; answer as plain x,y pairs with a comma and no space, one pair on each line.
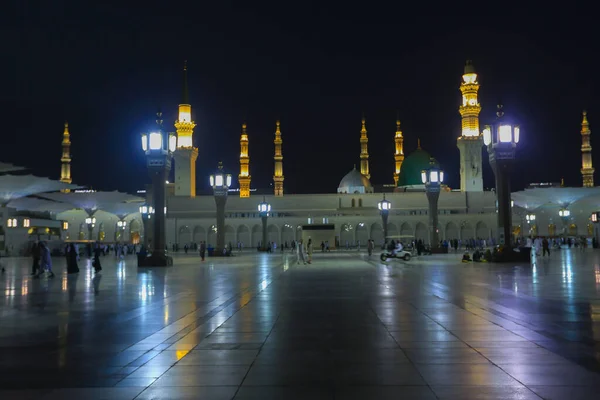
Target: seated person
398,248
477,256
466,257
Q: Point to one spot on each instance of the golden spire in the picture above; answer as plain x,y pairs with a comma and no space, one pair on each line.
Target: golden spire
186,154
184,124
65,170
399,153
587,168
244,177
364,152
278,158
470,107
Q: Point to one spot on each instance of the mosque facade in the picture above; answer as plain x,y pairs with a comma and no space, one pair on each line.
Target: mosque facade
468,212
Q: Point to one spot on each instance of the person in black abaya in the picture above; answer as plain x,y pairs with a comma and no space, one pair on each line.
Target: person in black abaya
72,267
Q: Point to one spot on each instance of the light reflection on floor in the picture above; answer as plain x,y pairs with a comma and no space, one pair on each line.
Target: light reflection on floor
259,326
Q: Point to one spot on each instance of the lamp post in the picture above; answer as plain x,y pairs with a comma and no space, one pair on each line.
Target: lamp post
220,183
264,209
384,209
501,140
146,212
159,147
433,178
91,223
564,215
530,218
121,225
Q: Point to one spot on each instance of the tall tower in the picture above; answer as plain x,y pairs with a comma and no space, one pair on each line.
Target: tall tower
470,141
587,170
186,154
399,154
278,175
65,169
244,177
364,152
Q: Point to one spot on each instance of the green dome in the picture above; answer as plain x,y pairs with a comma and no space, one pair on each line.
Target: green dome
414,163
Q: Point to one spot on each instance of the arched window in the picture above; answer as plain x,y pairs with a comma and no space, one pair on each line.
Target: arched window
360,202
353,203
573,230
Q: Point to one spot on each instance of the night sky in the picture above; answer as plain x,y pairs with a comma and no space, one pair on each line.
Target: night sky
107,68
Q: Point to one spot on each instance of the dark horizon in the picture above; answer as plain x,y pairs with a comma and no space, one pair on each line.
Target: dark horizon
107,69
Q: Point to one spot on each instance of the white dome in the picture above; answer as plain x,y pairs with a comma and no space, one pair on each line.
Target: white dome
355,182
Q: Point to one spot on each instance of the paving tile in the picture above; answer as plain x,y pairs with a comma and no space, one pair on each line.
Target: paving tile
384,392
219,357
188,393
112,393
203,375
287,393
565,374
465,375
566,392
136,382
511,392
25,394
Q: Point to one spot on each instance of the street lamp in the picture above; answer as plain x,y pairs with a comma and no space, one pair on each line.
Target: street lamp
501,140
264,209
433,178
564,215
91,223
121,225
530,218
159,147
220,183
384,209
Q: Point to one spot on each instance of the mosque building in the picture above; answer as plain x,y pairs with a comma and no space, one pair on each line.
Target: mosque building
464,213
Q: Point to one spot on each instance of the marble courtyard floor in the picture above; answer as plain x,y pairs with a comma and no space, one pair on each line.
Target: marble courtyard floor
260,327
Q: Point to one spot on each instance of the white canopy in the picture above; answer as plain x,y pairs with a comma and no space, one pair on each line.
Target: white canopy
39,205
16,186
91,201
555,196
5,167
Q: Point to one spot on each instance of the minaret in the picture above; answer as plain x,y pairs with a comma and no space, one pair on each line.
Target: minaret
186,154
244,177
471,141
278,176
399,154
65,169
364,152
587,170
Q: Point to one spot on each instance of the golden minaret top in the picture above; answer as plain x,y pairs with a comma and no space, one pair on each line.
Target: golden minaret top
278,175
244,177
65,169
364,152
470,107
399,152
184,124
587,169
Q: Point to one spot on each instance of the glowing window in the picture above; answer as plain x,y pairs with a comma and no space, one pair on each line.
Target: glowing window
505,133
155,141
